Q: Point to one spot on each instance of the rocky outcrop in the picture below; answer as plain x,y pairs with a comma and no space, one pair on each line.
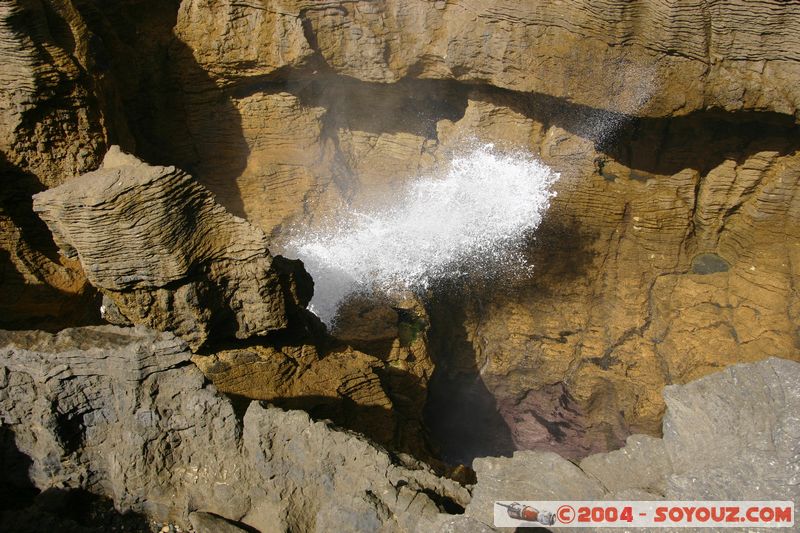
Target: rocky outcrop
343,386
669,253
168,256
50,130
655,58
378,389
122,413
729,436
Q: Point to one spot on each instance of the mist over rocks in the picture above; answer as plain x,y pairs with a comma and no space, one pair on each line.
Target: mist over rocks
667,251
471,217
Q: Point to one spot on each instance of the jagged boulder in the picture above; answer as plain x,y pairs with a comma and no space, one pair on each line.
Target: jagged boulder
168,256
120,412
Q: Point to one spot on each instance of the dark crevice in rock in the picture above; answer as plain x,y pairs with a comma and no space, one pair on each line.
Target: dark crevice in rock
25,509
461,414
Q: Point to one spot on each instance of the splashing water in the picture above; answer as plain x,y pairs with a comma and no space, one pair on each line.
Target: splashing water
469,216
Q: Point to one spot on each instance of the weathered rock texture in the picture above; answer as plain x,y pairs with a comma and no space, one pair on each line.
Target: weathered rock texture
380,391
671,250
168,255
50,130
654,58
121,412
729,436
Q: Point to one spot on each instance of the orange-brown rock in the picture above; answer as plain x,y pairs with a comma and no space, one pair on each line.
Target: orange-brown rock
50,130
169,256
655,58
671,249
344,386
379,388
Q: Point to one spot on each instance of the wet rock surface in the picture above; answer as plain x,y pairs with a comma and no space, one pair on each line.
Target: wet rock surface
670,253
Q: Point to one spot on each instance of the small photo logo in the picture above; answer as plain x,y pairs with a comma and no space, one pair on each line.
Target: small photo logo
526,513
632,514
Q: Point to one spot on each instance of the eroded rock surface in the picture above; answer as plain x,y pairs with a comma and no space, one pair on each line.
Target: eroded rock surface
379,388
670,252
654,58
732,435
50,130
168,255
663,258
123,413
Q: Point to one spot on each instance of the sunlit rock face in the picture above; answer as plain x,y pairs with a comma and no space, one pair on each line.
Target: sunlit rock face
168,256
670,249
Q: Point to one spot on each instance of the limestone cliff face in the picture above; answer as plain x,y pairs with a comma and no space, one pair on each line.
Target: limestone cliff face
670,251
654,58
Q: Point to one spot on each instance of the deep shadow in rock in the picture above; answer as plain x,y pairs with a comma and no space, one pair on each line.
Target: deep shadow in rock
700,140
35,305
23,508
411,106
163,106
561,252
16,489
461,414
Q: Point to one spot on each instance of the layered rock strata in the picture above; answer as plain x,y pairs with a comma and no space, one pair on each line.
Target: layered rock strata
378,389
656,58
50,130
670,252
169,256
122,412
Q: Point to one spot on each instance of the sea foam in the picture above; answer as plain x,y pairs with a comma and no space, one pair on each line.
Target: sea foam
471,214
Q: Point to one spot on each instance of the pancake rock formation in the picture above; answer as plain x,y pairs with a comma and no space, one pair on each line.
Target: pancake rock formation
168,256
698,54
121,412
671,251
